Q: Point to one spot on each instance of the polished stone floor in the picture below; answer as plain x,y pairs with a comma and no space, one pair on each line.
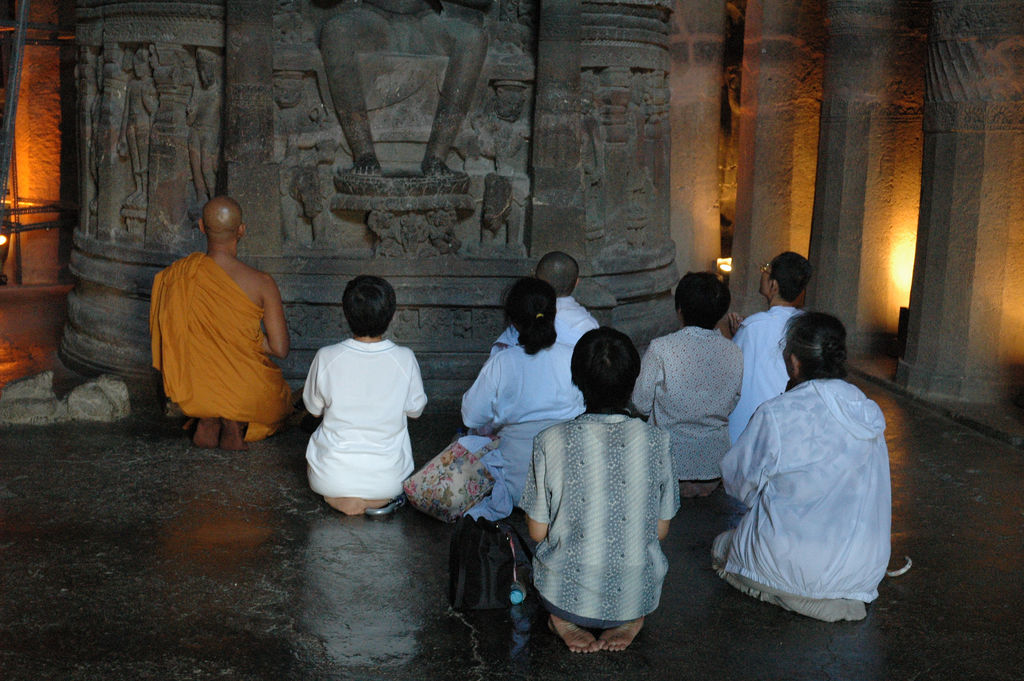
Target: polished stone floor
127,554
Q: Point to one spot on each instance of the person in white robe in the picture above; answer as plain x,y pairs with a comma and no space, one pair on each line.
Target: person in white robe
812,467
759,336
520,392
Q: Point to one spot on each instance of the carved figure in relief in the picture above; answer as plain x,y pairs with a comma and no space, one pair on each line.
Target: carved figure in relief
502,130
203,118
88,75
140,105
410,26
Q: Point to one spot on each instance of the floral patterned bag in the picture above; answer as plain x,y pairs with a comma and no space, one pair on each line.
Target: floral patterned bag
452,482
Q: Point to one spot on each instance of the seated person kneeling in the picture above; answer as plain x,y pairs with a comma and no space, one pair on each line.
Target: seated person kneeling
813,468
598,498
366,388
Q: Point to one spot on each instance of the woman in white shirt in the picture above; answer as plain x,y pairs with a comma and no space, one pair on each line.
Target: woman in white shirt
812,467
521,391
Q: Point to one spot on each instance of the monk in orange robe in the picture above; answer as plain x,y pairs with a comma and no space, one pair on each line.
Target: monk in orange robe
204,318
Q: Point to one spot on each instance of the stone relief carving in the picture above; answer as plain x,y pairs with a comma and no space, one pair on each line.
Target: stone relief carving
88,73
203,117
624,128
133,141
417,26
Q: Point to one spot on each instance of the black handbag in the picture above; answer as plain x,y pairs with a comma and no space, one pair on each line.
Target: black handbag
488,565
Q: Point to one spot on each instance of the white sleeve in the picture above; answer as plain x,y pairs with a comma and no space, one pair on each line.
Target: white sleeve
416,398
747,467
652,373
478,403
311,392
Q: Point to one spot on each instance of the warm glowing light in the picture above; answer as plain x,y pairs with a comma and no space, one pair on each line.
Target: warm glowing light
3,239
724,265
901,265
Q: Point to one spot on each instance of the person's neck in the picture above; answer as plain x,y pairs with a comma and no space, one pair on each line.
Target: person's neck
368,339
218,250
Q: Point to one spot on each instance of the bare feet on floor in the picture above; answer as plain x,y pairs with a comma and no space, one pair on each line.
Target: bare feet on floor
207,433
578,640
232,436
621,636
697,488
354,505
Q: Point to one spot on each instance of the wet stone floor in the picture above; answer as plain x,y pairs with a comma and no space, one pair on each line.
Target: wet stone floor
125,553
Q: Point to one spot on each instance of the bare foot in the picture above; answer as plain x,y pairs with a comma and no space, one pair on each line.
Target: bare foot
697,488
621,636
207,433
578,640
354,505
232,435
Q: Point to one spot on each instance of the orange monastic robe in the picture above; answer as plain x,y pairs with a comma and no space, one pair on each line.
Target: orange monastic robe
208,343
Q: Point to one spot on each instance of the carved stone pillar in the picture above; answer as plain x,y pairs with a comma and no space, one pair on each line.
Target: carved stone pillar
557,207
137,179
869,165
252,173
696,45
966,330
778,138
169,172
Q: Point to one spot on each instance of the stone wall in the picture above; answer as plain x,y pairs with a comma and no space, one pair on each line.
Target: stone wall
445,152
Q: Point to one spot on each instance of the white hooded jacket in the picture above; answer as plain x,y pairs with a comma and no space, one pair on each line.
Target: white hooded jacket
813,468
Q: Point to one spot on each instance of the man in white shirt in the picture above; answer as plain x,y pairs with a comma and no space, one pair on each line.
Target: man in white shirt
571,319
783,284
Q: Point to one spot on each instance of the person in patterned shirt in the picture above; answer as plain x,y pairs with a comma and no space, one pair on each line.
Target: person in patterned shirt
598,498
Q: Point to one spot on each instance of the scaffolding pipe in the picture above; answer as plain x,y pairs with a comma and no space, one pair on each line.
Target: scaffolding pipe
11,98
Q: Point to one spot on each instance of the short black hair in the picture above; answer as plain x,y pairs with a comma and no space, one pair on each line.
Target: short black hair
605,365
792,271
530,307
369,304
702,299
818,340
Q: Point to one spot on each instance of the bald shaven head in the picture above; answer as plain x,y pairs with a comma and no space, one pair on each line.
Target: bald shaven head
560,270
222,216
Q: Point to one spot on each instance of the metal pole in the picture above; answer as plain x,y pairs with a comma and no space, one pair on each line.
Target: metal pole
11,100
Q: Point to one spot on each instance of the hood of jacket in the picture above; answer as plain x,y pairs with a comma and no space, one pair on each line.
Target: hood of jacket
858,414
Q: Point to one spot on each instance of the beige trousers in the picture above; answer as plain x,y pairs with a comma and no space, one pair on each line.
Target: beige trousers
826,609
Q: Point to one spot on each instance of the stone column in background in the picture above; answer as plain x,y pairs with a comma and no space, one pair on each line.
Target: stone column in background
695,80
557,204
252,175
778,138
966,330
869,166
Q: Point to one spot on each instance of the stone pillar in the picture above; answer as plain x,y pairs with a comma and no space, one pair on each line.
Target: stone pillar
557,207
695,46
252,174
869,166
966,329
778,138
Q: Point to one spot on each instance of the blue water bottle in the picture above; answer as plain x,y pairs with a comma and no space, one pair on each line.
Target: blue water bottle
517,593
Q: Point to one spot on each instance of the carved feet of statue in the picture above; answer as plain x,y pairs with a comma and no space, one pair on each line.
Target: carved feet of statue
433,167
367,164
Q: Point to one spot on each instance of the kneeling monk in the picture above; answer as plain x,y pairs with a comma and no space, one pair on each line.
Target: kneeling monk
205,322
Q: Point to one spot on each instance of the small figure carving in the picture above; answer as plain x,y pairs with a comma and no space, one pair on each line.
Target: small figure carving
88,75
409,234
203,119
140,105
496,208
369,25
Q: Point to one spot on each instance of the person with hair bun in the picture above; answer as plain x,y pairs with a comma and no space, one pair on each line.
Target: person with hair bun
812,467
519,392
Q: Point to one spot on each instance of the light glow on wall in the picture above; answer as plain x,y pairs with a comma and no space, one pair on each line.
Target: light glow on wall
901,262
